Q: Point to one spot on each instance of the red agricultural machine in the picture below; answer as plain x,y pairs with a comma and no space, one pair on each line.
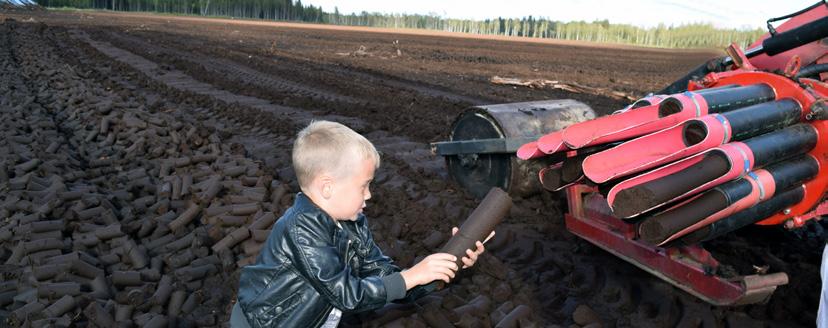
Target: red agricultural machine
741,140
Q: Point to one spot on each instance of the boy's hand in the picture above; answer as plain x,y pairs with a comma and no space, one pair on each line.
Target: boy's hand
439,266
471,257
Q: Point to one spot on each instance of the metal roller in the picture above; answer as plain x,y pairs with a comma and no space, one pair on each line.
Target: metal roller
484,139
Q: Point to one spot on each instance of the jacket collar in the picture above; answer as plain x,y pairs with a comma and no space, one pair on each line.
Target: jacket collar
305,205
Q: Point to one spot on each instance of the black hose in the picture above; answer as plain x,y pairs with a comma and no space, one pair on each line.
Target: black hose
812,70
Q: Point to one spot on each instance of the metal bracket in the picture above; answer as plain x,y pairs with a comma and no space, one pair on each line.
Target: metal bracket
479,146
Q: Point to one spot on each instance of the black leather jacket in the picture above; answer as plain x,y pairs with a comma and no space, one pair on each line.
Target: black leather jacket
309,265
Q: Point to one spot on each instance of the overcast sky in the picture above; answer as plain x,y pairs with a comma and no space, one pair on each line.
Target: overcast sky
722,13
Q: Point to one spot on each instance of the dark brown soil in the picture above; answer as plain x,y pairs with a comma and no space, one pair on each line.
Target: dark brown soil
257,84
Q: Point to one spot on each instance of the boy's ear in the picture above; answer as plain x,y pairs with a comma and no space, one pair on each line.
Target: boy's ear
326,185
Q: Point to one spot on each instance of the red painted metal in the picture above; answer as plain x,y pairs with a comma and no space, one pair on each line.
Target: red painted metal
616,127
552,142
529,151
652,150
691,268
808,53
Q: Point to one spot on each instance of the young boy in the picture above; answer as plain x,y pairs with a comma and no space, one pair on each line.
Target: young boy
320,259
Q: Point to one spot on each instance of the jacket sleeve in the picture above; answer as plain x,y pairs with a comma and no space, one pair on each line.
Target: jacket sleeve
374,263
318,261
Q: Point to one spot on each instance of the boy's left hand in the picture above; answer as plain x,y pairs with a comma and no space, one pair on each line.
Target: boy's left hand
471,256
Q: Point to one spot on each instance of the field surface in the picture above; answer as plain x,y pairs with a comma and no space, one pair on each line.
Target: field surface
245,88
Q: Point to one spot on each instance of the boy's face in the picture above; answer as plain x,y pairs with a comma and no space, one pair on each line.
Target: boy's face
349,193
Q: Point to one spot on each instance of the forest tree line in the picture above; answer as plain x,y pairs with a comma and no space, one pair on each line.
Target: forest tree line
684,36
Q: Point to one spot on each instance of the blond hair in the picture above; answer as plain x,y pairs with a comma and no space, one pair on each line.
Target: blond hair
329,147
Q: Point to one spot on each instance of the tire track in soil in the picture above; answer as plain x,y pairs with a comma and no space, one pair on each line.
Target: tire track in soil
417,110
417,155
240,73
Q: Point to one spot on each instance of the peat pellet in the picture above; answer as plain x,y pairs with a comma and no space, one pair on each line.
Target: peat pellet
185,217
28,165
252,247
176,188
126,278
109,259
511,320
202,158
59,307
584,315
480,223
136,255
216,210
204,260
193,300
17,254
186,183
37,257
180,259
123,312
149,274
17,317
231,220
67,258
433,240
478,307
50,225
201,253
433,315
157,321
260,235
90,212
246,261
147,226
276,195
163,291
191,273
244,209
109,232
214,186
97,314
55,234
136,296
58,289
42,245
264,221
176,301
501,311
178,244
234,171
7,297
157,243
85,269
232,239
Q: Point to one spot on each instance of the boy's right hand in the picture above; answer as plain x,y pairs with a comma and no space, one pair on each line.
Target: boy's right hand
439,266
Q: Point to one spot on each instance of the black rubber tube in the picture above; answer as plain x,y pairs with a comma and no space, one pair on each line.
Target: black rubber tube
790,173
812,70
796,37
762,118
657,228
781,144
719,101
749,216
